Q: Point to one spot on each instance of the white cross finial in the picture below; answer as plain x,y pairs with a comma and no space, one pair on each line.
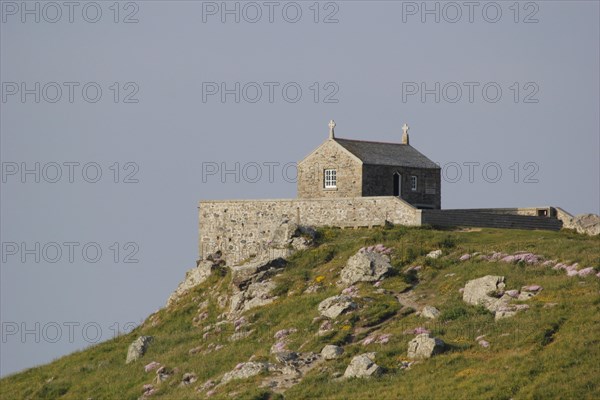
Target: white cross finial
405,129
405,134
331,127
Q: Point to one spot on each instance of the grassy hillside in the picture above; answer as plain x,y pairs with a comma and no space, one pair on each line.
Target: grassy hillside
550,351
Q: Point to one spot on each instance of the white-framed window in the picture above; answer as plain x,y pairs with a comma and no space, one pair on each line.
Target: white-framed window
330,176
413,183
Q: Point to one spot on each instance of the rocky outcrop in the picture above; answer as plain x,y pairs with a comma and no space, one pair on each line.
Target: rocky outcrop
286,356
430,312
256,295
280,346
573,270
241,335
138,348
252,286
255,271
332,307
195,276
148,390
588,224
151,366
290,370
365,266
325,328
479,292
290,235
434,254
532,259
246,370
287,238
188,378
363,366
489,292
331,352
377,338
251,281
164,373
424,346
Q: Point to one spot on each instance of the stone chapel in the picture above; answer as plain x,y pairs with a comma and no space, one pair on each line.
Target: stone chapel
357,168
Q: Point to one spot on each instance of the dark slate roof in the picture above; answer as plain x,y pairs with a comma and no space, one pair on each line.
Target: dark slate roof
379,153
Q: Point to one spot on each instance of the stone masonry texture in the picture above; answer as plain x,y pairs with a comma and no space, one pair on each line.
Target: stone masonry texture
354,178
241,229
329,155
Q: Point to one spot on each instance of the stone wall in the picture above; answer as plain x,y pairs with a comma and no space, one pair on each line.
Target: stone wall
503,218
545,211
565,217
329,156
242,228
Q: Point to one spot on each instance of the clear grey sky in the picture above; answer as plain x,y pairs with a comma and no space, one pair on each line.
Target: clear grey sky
370,65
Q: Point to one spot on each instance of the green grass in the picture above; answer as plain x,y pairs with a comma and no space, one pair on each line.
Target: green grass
543,353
